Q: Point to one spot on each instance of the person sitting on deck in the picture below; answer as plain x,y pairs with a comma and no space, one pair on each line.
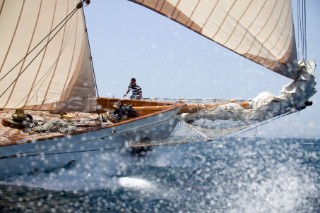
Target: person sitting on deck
136,90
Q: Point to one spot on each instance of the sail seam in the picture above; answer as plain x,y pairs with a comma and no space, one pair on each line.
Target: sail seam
41,82
64,45
73,53
58,58
178,14
192,22
290,41
283,30
263,42
43,56
14,34
212,37
2,6
24,60
290,45
255,36
231,34
175,8
157,4
247,30
163,2
34,85
214,7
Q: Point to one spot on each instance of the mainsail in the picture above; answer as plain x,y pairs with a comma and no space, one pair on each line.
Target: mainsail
260,30
44,57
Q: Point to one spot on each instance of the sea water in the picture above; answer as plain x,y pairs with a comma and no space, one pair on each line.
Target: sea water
227,175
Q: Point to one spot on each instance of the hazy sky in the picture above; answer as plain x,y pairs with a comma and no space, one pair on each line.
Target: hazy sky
170,61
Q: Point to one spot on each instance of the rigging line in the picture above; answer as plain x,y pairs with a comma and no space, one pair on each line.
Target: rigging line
70,14
305,29
267,121
197,131
302,29
298,28
74,11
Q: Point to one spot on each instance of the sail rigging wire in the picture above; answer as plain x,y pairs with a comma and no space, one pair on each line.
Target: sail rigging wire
302,29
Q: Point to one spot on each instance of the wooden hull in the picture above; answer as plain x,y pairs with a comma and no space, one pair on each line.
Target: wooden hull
60,151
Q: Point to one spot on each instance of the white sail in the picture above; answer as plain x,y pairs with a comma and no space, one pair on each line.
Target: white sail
56,71
260,30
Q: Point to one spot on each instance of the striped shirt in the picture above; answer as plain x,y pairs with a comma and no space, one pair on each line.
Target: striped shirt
136,90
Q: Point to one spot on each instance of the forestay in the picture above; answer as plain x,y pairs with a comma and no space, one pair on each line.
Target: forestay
36,70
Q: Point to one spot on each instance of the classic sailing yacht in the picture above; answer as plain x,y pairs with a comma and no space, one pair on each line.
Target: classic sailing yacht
46,74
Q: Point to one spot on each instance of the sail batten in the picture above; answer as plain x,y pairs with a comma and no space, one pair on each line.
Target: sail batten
261,31
44,55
